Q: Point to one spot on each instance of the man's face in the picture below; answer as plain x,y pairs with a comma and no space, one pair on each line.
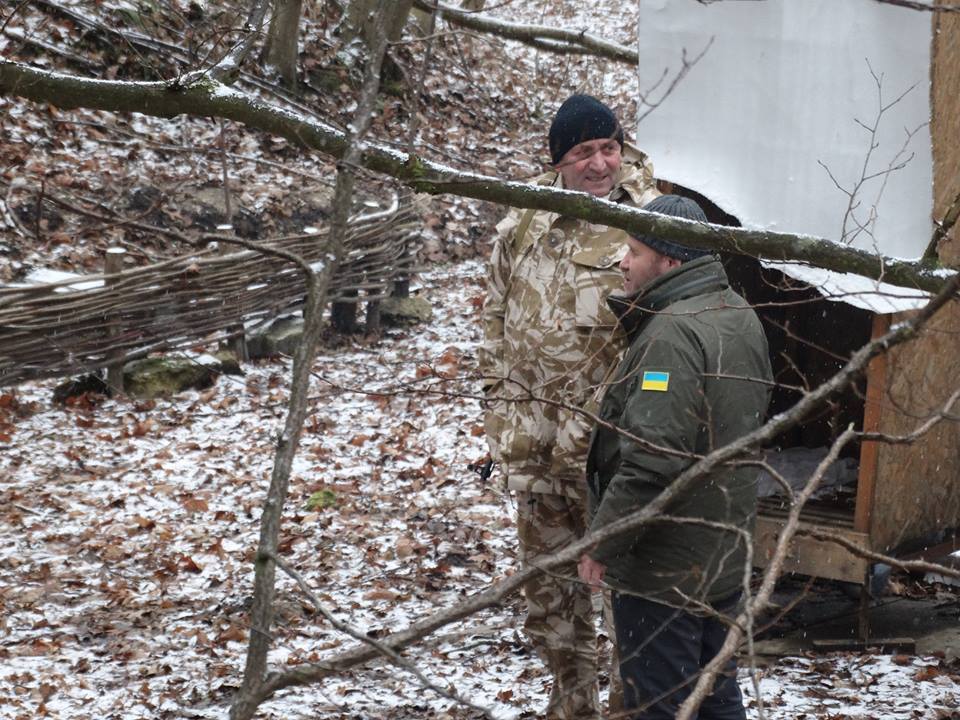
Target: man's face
642,264
591,166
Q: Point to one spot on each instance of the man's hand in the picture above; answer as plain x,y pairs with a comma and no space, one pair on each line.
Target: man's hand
591,572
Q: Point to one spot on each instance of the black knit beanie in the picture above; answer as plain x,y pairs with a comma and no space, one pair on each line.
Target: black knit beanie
579,119
680,207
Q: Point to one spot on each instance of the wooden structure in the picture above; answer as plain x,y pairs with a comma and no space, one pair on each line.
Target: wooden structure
83,324
762,161
908,494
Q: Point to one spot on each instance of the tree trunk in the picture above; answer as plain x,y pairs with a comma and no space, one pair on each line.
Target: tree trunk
360,16
281,49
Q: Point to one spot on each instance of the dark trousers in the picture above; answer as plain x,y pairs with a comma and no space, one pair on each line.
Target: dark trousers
662,650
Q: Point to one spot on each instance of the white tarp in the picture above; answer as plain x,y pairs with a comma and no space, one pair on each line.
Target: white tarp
782,93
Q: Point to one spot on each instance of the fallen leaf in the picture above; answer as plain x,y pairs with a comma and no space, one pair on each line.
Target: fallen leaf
195,504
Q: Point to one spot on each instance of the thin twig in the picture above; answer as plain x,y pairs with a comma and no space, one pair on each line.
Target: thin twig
383,649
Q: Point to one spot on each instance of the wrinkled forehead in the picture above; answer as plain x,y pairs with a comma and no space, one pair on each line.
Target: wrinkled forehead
588,147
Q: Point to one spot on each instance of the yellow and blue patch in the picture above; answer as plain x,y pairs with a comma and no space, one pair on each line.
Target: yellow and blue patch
655,380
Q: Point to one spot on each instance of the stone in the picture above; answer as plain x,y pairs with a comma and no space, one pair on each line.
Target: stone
404,312
160,376
280,337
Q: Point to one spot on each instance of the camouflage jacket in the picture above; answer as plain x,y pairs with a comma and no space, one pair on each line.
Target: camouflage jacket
549,335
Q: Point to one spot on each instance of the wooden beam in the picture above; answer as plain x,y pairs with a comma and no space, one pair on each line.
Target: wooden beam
869,451
808,556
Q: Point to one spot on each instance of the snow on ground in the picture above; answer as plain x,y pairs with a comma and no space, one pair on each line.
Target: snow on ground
129,527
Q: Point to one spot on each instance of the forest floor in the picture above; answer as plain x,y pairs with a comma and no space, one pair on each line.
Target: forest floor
127,528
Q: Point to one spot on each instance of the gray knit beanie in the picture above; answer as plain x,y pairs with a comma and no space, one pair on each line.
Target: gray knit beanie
680,207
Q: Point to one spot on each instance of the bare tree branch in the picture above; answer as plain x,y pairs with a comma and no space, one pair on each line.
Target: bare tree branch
943,227
261,614
915,566
685,67
362,637
227,69
791,528
918,5
632,523
211,99
754,605
535,35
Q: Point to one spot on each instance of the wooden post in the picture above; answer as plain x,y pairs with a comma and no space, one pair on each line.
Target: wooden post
863,611
237,342
343,315
373,317
112,266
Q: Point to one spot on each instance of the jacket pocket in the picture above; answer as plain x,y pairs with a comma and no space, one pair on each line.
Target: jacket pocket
596,275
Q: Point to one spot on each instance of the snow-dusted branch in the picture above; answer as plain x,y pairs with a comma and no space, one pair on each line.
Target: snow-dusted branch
760,601
362,637
211,99
229,66
579,41
756,604
492,596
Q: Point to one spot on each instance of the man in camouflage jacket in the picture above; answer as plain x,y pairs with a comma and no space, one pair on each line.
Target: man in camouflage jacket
549,340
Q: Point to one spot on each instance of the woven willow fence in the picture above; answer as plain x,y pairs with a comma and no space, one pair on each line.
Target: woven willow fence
55,329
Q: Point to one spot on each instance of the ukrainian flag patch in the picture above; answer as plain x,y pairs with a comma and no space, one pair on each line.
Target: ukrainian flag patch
655,380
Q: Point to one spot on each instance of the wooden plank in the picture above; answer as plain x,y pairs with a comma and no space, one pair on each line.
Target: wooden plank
808,556
917,493
836,517
881,646
869,451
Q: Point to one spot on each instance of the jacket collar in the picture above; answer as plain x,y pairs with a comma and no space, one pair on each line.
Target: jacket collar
703,275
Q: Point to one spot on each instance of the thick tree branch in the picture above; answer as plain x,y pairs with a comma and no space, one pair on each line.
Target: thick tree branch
533,34
494,595
209,98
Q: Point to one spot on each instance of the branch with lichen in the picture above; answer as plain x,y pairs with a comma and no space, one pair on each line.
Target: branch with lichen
208,98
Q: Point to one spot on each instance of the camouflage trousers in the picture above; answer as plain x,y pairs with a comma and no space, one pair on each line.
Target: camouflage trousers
560,611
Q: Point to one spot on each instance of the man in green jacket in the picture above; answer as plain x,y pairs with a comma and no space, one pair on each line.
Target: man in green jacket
695,378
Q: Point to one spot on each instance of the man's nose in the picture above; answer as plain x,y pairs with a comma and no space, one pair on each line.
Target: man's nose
596,161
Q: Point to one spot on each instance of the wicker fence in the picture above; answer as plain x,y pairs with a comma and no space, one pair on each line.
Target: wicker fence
57,329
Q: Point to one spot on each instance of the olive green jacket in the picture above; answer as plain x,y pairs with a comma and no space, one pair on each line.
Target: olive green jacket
694,378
